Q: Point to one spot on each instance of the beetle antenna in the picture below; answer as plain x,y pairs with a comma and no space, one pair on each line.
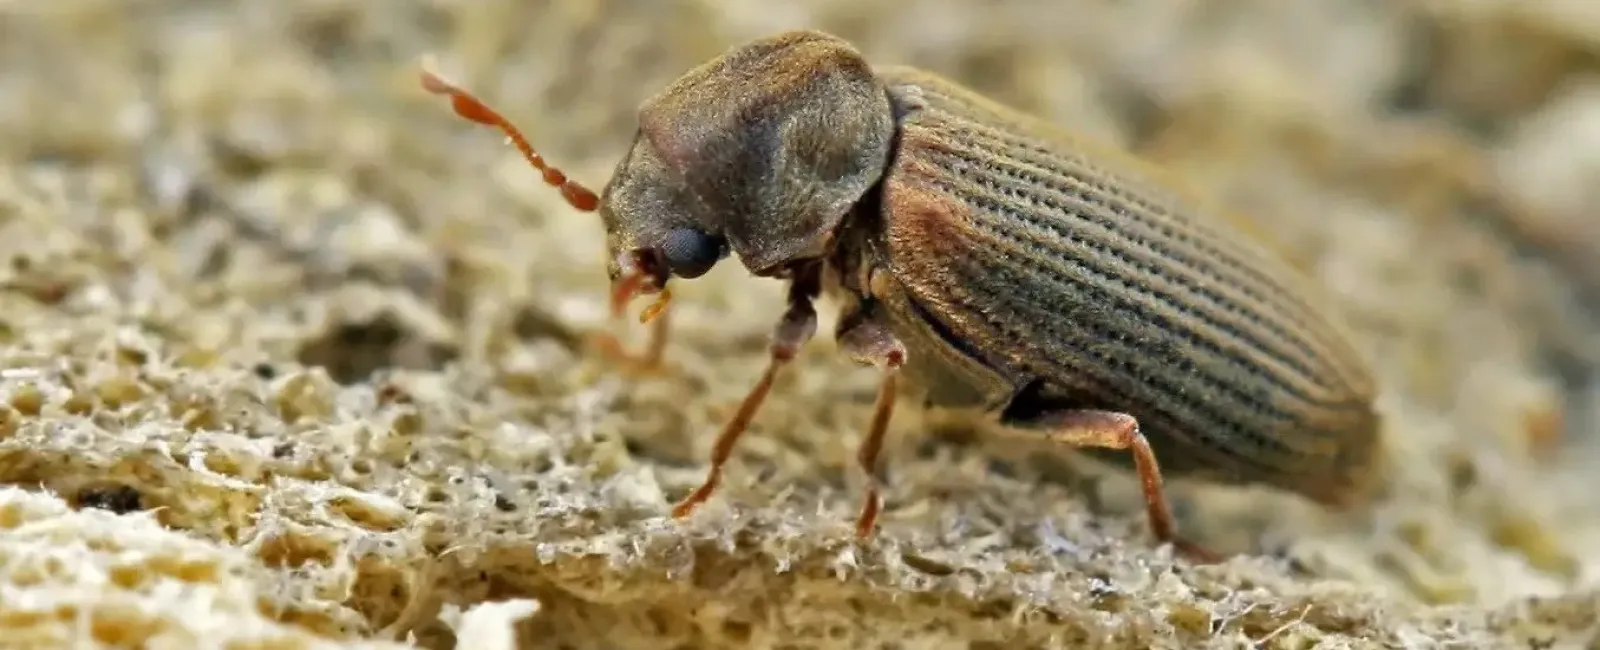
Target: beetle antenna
470,107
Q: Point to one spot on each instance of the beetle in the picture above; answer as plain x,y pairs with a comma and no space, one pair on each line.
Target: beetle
984,259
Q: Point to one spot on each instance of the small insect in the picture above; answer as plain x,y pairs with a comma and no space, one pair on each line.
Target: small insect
988,258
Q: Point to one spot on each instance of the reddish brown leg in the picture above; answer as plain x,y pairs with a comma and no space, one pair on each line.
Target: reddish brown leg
798,325
1113,430
868,342
648,362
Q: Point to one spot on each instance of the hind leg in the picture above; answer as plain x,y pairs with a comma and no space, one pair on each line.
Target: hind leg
1120,431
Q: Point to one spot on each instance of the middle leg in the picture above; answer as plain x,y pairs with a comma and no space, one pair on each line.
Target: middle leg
869,342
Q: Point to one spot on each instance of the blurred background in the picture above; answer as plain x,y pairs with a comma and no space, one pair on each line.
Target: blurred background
248,217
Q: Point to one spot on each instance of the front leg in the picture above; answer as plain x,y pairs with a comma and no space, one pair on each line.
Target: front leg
869,342
655,315
1113,430
795,328
650,362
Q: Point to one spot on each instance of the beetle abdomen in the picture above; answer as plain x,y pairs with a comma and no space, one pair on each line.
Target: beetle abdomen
1111,290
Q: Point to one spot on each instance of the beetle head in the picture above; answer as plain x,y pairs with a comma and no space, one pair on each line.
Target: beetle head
760,152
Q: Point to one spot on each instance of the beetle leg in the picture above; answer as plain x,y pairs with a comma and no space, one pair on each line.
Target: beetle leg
650,360
639,270
795,328
869,342
1112,430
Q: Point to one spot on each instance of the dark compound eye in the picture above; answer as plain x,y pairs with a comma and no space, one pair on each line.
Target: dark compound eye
690,253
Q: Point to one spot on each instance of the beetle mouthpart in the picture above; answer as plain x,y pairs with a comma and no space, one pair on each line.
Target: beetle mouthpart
657,307
640,274
622,293
637,284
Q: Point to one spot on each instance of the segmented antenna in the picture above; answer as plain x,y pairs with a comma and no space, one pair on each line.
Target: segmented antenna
470,107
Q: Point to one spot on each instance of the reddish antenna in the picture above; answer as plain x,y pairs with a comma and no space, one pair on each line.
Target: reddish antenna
470,107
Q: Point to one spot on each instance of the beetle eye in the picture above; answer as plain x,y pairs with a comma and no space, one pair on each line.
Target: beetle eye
690,253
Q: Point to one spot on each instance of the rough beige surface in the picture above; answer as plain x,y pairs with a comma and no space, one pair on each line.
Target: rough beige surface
289,356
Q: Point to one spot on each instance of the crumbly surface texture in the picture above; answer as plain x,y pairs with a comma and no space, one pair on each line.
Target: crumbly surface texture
291,357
